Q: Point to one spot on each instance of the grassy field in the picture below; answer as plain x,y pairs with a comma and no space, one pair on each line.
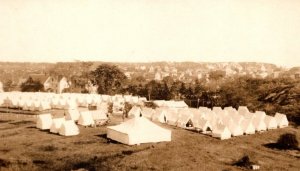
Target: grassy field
23,147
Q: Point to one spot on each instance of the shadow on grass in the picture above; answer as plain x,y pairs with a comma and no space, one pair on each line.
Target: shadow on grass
48,148
108,140
22,123
278,147
85,142
5,121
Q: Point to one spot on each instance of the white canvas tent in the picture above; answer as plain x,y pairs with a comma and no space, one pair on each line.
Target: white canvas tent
98,115
159,115
247,126
56,124
72,114
135,111
86,119
44,121
270,122
138,130
71,104
242,110
147,112
203,125
235,129
68,128
221,131
185,117
171,116
259,122
281,120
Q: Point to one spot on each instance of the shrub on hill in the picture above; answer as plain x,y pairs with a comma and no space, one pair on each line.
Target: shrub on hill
287,141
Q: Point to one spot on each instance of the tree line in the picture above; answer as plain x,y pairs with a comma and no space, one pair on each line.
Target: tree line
270,95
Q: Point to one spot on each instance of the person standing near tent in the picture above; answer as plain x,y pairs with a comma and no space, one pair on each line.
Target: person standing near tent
124,114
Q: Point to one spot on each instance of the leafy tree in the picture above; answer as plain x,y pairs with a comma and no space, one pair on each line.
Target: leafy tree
7,85
175,89
157,91
109,78
31,86
217,74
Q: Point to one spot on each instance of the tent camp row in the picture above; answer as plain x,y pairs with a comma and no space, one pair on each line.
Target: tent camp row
40,101
66,125
220,123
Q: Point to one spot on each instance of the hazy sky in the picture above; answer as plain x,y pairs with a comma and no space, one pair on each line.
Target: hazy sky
151,30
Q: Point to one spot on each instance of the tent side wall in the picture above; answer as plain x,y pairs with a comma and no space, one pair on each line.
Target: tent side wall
118,136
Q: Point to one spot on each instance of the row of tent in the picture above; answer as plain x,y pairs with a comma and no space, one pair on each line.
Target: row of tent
39,101
220,123
66,125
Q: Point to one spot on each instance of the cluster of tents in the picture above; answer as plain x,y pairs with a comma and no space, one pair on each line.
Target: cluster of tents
66,125
39,101
218,122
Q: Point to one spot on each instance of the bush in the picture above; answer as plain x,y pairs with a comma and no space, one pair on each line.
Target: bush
244,162
287,141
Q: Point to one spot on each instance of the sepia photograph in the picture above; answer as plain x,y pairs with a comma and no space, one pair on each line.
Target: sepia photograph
160,85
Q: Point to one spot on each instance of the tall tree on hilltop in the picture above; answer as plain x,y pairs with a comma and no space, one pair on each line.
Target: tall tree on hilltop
109,78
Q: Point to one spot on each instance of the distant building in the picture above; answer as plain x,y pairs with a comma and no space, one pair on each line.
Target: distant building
128,74
157,76
50,84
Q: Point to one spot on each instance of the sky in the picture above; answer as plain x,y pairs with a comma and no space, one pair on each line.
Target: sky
151,30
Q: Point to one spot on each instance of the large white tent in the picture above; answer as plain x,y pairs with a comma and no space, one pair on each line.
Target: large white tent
138,130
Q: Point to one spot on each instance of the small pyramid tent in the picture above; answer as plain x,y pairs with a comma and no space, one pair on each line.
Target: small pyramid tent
203,125
138,130
259,122
221,131
56,124
135,111
159,115
281,120
247,126
72,114
44,121
185,118
242,110
235,129
86,119
171,116
68,128
270,122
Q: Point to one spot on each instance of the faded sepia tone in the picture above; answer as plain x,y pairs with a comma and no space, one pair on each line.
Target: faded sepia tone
210,31
149,85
